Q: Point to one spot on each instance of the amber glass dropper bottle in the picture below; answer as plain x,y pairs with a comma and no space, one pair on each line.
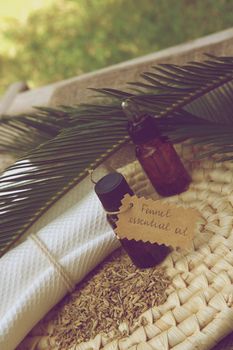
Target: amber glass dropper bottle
111,190
156,154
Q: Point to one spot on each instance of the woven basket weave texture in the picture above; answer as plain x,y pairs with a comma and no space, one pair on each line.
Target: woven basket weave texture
198,312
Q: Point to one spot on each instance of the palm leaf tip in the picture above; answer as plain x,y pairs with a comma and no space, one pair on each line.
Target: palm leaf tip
21,133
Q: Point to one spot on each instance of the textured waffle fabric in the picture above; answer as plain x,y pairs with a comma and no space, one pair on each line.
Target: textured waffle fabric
30,285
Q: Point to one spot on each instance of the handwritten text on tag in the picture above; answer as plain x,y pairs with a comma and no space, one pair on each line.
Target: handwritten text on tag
156,222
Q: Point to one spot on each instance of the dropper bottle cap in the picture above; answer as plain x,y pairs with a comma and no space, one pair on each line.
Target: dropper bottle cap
111,190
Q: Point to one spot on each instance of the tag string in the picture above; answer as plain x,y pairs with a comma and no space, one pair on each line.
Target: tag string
90,171
64,275
123,210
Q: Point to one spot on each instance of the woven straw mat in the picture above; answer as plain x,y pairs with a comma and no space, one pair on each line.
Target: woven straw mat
198,311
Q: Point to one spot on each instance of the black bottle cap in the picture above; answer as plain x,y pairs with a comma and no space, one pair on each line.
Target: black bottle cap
111,190
144,130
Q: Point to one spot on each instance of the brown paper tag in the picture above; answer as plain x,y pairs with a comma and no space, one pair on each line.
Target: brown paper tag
156,222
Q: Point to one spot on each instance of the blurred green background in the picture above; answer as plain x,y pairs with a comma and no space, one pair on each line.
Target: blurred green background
49,40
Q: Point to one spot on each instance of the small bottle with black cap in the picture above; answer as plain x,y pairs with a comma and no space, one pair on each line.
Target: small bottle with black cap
111,189
156,154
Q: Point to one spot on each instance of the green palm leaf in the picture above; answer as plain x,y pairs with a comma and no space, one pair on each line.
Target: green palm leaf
93,132
20,133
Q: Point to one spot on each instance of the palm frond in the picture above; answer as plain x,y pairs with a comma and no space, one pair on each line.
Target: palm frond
91,133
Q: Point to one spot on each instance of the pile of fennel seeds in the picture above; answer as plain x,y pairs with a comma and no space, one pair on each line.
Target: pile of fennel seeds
115,292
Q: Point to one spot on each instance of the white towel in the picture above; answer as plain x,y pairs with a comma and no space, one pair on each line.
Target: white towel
30,286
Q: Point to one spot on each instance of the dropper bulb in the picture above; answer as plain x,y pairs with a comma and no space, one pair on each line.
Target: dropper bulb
124,105
131,111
